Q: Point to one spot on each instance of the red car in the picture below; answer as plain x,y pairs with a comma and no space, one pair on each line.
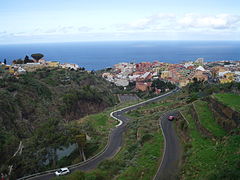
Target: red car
171,118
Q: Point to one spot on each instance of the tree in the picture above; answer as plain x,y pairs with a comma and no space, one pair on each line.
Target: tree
81,141
37,56
27,60
159,85
5,61
18,61
48,137
196,85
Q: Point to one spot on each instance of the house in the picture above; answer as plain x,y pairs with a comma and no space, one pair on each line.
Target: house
30,67
134,77
229,75
200,68
42,61
122,82
108,76
7,68
188,64
237,78
20,71
143,66
52,63
11,69
157,91
227,78
200,75
224,80
199,61
146,76
219,71
165,74
70,66
143,86
183,82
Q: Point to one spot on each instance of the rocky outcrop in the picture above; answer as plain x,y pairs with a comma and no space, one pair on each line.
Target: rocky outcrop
83,108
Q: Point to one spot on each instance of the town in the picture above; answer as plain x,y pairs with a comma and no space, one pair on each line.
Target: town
142,74
20,66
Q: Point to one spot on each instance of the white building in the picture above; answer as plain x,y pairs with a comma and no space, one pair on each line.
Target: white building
200,68
70,66
187,64
221,74
199,61
122,82
133,77
20,70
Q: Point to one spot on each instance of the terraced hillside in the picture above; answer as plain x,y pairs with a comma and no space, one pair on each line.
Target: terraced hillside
211,150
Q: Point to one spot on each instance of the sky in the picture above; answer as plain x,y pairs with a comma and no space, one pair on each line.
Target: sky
28,21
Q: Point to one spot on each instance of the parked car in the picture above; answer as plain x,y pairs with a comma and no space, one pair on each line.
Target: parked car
62,171
171,118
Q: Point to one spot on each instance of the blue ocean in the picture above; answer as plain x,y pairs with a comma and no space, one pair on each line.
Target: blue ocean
99,55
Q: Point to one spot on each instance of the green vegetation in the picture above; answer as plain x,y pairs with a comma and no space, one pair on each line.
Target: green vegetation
210,159
207,119
51,109
146,161
204,157
229,99
159,84
141,153
41,108
198,89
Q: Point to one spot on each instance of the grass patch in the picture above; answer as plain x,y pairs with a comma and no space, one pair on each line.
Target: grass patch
207,119
229,99
207,159
146,161
99,119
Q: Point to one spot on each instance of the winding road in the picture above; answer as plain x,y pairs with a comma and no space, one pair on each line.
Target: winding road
115,142
169,166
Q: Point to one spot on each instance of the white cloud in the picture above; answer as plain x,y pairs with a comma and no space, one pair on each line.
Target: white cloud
84,29
156,21
156,27
221,21
172,22
59,30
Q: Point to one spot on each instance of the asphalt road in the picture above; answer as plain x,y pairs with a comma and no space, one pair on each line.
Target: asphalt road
172,150
114,143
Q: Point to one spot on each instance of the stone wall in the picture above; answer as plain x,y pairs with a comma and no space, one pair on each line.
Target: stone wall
225,116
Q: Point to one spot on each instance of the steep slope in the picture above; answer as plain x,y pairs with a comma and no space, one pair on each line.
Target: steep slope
210,151
37,108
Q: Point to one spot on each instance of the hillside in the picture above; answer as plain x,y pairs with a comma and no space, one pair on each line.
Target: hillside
207,127
141,153
40,108
211,149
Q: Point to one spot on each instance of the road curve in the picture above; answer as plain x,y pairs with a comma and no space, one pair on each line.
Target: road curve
169,166
114,141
